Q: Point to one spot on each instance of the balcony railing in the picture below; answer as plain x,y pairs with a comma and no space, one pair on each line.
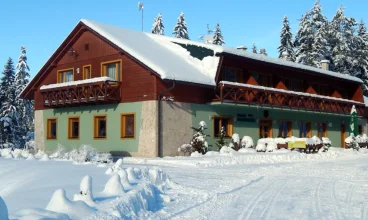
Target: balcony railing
92,91
265,96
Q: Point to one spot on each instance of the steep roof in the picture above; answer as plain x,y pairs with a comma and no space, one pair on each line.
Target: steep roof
180,59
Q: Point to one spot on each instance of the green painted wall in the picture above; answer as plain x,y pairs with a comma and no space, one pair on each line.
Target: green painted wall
204,113
112,143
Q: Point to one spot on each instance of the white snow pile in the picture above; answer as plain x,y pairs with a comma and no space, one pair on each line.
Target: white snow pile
17,154
45,157
40,214
74,209
113,187
85,193
361,139
3,210
85,153
116,167
247,142
235,138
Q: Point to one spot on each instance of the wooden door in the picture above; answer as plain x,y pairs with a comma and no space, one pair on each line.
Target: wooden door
265,128
343,135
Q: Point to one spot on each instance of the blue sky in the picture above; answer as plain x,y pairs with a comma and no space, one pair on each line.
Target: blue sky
41,25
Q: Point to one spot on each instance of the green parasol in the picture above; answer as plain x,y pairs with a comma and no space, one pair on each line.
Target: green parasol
353,121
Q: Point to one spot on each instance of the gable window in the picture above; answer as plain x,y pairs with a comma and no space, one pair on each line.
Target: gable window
52,129
112,69
100,127
87,72
263,79
305,129
322,129
127,124
285,129
73,128
232,74
66,75
223,122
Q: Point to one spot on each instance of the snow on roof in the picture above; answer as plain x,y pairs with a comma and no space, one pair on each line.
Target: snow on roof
288,91
185,60
365,100
78,82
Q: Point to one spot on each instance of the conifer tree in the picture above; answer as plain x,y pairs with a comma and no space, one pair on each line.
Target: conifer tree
158,25
286,40
218,39
24,107
361,55
180,29
198,141
254,48
221,142
8,115
304,41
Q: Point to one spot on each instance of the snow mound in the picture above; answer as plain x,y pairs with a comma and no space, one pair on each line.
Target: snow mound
75,210
39,154
124,180
196,154
131,175
85,193
212,153
40,214
247,150
247,142
114,187
235,138
227,150
116,167
261,146
271,146
31,157
45,157
3,210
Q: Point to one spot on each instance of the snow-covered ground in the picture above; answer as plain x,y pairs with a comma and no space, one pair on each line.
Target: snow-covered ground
282,185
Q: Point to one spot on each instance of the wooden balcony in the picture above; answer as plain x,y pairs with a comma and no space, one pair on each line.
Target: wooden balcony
264,96
82,92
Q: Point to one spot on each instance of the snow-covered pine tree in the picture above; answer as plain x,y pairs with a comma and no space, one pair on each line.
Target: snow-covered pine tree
304,41
286,41
24,107
221,142
158,26
198,141
309,27
341,33
254,48
218,39
8,115
180,29
361,55
320,46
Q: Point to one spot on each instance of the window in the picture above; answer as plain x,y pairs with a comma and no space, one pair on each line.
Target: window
127,125
65,75
263,79
52,129
73,128
285,129
100,127
87,72
360,129
232,74
322,129
305,129
265,128
112,69
223,122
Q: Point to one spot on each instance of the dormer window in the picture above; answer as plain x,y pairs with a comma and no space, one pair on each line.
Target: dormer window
66,75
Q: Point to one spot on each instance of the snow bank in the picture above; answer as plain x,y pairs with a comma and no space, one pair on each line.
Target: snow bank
75,210
124,180
40,214
45,157
131,175
3,210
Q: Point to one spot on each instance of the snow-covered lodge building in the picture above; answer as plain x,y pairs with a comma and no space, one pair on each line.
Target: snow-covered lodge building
139,94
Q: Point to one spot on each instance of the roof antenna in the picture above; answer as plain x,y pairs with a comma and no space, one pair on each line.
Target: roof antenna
140,8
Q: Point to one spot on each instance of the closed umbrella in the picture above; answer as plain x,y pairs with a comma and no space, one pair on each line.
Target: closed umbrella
353,121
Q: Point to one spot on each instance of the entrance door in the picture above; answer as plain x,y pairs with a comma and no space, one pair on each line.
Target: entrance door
265,128
343,135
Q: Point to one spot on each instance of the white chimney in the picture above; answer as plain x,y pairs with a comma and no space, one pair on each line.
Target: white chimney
263,51
243,48
325,64
285,55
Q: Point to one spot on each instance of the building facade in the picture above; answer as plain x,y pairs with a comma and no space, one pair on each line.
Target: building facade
136,94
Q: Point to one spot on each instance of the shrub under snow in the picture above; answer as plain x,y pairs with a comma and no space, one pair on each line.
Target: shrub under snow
85,191
85,153
60,203
271,146
247,142
186,148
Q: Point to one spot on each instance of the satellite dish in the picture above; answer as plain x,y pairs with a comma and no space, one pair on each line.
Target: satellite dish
140,6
